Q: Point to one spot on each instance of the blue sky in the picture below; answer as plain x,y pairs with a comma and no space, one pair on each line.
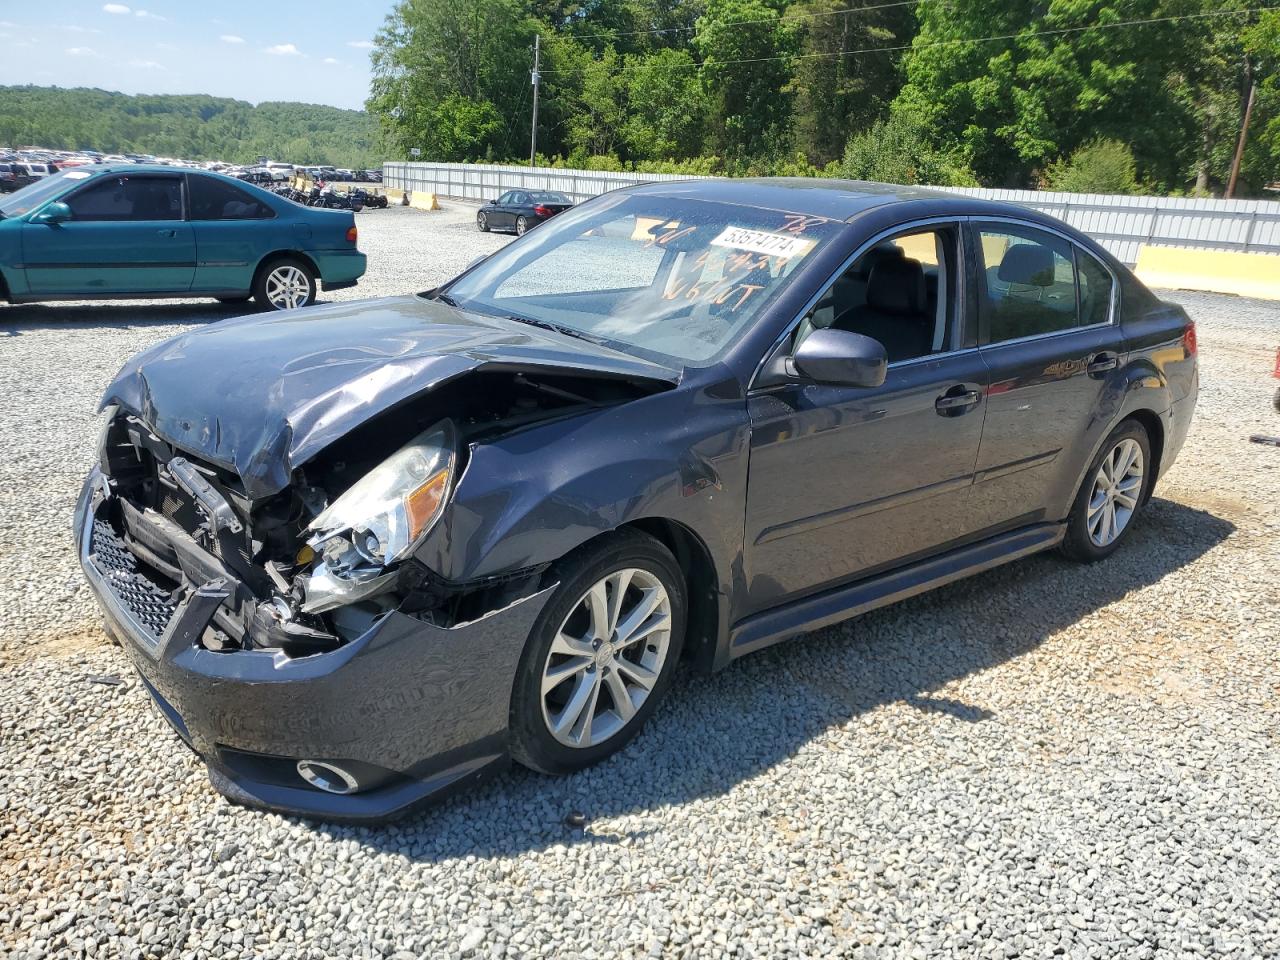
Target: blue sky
317,52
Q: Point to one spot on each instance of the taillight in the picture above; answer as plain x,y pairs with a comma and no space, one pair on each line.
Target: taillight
1189,339
542,211
352,233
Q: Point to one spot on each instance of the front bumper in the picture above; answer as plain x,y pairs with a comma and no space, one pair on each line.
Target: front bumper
414,708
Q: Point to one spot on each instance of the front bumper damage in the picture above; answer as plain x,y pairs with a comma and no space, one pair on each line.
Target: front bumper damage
410,709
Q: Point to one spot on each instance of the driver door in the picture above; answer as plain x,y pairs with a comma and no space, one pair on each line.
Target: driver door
126,235
848,481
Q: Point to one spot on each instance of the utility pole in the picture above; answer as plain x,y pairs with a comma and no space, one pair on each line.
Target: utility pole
537,62
1244,132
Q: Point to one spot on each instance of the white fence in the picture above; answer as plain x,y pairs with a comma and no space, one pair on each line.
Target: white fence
1121,224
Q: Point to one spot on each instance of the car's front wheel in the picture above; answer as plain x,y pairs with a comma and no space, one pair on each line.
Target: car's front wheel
285,284
601,655
482,221
1114,491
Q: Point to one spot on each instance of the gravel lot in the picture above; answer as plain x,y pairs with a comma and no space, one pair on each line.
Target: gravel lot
1047,759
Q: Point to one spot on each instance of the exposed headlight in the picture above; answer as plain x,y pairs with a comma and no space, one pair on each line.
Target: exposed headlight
380,519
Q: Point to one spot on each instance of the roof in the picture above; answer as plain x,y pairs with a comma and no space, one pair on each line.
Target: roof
812,196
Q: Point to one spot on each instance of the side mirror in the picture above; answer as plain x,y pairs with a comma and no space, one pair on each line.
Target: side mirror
841,357
56,212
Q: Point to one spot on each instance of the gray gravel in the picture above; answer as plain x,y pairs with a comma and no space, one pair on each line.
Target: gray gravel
1047,759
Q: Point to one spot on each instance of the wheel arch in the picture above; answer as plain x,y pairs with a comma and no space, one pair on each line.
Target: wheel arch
706,617
283,254
1150,422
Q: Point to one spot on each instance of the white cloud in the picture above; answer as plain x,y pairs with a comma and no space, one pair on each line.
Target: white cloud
119,9
332,60
360,44
166,46
284,50
81,52
231,38
7,24
148,15
76,28
146,65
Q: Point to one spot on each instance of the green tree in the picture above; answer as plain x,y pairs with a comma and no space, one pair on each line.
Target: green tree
900,150
444,70
665,107
1100,166
744,82
1014,105
835,93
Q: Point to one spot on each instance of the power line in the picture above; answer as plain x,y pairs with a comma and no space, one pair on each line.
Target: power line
958,41
742,23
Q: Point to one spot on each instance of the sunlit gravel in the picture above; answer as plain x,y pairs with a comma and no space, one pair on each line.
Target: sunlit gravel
1048,759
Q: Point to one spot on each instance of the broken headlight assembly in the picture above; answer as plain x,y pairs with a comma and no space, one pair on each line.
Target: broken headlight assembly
379,520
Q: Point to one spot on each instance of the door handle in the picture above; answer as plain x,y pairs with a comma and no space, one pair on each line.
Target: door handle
956,401
1102,362
167,233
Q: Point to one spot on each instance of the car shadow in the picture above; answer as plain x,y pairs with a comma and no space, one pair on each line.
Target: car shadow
16,319
839,673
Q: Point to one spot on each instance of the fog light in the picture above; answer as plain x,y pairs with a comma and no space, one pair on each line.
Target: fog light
327,777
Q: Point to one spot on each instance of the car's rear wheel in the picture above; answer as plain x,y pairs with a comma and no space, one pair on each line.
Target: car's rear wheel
522,226
482,221
1115,489
285,284
601,655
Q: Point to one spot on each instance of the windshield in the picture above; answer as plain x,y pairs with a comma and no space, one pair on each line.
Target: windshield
33,194
667,278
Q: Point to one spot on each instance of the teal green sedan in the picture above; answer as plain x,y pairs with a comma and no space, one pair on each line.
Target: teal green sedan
118,232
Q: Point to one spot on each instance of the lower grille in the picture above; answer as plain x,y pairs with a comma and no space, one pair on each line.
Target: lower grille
151,606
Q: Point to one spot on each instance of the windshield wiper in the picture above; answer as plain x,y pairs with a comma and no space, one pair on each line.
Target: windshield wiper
446,300
557,328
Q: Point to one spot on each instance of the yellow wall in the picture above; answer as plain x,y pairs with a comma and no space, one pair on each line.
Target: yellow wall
1245,274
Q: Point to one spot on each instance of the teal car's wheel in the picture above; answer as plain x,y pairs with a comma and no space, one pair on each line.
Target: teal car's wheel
285,284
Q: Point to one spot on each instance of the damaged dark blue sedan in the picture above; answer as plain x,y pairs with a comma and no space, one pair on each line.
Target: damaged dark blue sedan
366,554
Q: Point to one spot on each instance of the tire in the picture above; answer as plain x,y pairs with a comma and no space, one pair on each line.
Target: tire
1089,536
482,221
598,726
522,226
285,283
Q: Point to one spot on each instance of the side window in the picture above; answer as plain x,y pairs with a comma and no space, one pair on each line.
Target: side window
902,292
126,198
518,199
1030,285
1095,290
504,199
214,200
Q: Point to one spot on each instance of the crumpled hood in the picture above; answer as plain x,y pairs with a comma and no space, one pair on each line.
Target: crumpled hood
262,395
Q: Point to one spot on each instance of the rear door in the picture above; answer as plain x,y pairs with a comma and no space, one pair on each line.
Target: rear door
126,235
847,481
1048,336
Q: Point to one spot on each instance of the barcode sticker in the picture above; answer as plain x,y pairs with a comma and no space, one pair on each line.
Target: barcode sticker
779,245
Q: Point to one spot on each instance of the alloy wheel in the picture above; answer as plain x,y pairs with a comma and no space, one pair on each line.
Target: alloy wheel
1116,489
522,225
288,287
606,658
483,222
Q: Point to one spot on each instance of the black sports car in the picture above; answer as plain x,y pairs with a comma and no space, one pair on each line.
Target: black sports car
521,210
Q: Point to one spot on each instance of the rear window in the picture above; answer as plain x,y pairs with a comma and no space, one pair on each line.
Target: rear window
549,196
213,199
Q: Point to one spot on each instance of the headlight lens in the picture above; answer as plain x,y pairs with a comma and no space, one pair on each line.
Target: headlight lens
380,519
